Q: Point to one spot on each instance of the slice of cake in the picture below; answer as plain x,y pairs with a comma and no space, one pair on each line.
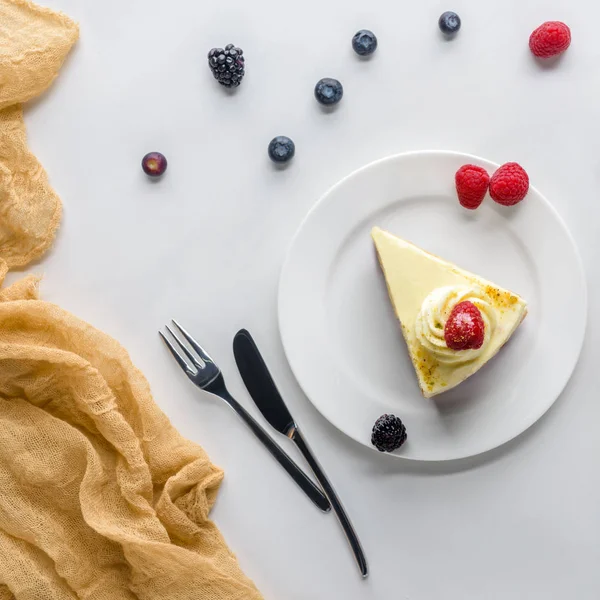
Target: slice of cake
453,321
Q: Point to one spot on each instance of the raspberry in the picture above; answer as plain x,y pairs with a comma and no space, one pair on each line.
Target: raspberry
549,39
465,329
471,185
509,184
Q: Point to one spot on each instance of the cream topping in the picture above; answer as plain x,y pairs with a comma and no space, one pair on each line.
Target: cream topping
434,313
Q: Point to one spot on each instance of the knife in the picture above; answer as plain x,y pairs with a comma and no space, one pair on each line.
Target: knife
263,391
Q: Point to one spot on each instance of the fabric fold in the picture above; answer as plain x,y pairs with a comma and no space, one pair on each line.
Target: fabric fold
34,44
97,485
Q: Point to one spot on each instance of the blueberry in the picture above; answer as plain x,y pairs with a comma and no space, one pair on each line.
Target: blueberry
364,42
154,164
449,22
328,91
281,149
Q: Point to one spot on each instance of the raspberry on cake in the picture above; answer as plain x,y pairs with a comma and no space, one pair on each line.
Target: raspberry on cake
465,328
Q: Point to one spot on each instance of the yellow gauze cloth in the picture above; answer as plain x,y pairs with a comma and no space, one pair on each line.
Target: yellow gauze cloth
100,497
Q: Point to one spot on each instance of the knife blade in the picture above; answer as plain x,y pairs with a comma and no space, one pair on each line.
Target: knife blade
260,384
267,398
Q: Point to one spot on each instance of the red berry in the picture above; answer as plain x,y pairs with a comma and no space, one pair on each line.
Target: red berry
465,329
549,39
154,164
471,185
509,184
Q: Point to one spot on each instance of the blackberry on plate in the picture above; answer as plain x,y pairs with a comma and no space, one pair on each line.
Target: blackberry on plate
281,149
328,91
364,42
449,22
227,65
388,434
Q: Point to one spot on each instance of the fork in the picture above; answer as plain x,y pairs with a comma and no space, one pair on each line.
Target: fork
205,374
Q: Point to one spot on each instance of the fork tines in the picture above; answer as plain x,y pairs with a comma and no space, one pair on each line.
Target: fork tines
198,359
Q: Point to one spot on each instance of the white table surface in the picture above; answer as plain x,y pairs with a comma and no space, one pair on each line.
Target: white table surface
206,245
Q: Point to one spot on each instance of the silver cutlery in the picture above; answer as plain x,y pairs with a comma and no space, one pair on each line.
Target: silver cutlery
267,398
202,370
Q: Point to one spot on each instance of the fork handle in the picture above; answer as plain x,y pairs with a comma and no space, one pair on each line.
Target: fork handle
294,471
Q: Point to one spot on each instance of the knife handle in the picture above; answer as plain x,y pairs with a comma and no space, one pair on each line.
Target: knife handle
294,471
335,501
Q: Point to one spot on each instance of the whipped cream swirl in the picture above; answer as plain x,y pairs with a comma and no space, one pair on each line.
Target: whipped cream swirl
434,313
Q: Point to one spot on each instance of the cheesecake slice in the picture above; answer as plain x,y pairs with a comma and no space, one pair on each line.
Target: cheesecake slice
424,291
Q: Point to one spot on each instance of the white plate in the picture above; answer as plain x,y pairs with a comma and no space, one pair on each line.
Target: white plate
343,341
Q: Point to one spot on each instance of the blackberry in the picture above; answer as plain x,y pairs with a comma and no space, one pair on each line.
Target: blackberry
449,23
227,65
388,434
